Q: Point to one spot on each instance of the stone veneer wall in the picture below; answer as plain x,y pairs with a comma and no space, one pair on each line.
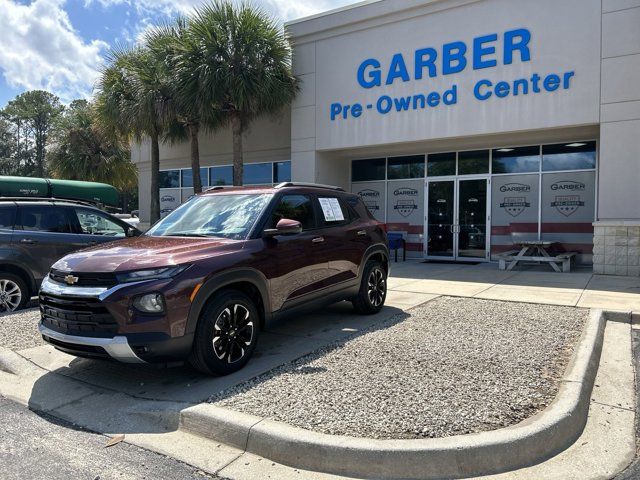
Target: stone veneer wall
616,248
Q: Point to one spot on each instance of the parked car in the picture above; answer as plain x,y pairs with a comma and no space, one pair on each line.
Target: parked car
200,284
35,233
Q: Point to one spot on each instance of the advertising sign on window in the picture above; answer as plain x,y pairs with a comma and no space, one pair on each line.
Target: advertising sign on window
405,202
514,210
170,198
373,196
568,209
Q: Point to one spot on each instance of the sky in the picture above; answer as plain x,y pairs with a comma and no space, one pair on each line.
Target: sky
59,45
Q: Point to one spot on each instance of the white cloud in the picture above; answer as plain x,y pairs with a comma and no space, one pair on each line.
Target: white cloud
39,49
284,9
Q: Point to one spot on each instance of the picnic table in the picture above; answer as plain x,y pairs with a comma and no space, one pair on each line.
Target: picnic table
536,251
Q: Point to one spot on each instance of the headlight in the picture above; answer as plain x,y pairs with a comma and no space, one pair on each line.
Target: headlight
154,274
149,303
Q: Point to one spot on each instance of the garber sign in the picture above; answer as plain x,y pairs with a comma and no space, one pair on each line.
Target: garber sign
450,59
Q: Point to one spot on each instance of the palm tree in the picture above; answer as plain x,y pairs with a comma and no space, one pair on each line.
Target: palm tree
133,98
167,43
239,62
84,151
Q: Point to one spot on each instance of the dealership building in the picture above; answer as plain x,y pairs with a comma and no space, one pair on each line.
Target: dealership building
467,125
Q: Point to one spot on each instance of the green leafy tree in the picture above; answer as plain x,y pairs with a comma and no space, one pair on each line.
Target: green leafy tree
134,99
236,60
85,151
34,115
173,50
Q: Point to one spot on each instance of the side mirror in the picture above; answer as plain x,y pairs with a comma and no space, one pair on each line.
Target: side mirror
284,227
131,232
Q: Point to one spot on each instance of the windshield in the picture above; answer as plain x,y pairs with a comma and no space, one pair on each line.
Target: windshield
227,216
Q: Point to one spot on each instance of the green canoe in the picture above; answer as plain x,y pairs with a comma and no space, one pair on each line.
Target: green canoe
52,188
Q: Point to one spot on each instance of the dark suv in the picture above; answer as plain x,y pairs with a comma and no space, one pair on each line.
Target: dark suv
201,283
35,233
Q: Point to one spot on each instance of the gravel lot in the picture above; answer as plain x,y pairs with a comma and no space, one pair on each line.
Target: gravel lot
19,330
454,366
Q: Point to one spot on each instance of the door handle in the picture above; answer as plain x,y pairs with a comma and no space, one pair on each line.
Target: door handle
27,241
92,243
318,240
361,233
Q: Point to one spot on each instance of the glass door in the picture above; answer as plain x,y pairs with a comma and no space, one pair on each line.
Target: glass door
472,219
441,218
457,220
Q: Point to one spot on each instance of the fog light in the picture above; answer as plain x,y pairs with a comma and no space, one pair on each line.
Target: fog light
150,303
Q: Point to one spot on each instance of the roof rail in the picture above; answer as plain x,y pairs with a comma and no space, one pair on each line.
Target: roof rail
306,184
49,199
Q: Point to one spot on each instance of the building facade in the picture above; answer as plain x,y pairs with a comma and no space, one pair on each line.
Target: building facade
467,125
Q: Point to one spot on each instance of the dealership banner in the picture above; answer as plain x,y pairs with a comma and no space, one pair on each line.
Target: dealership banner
373,195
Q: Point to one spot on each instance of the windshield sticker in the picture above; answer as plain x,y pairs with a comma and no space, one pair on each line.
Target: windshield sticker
331,209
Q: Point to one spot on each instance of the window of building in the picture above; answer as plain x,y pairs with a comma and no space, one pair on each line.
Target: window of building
441,164
368,170
516,160
405,167
569,156
281,172
221,175
187,177
257,173
169,179
471,163
294,207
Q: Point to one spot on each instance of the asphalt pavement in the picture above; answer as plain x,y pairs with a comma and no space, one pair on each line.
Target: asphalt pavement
633,471
34,446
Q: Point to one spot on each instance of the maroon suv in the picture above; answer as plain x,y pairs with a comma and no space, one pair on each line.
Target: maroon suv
201,283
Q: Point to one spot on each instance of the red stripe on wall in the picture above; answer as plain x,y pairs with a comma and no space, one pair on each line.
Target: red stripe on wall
567,228
546,228
514,228
404,227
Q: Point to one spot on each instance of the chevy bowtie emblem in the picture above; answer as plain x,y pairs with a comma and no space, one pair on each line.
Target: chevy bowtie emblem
70,279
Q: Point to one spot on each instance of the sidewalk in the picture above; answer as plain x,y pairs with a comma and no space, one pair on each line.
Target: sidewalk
580,288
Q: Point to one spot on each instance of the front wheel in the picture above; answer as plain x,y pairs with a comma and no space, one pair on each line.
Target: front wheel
373,289
13,292
226,335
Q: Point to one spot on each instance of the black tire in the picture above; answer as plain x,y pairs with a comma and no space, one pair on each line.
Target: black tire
14,293
373,289
235,344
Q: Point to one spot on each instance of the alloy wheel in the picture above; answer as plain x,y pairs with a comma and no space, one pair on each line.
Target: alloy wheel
376,287
10,295
233,333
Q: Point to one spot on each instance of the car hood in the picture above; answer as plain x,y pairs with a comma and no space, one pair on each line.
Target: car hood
145,252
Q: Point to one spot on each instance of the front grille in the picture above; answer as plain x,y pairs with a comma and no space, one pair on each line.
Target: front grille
85,279
77,316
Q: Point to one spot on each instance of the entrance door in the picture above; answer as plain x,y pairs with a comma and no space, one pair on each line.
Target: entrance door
457,219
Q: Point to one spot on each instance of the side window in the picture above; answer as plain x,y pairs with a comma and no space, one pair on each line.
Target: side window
44,218
294,207
7,216
333,211
97,223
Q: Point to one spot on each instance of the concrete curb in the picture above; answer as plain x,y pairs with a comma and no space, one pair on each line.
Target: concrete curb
532,441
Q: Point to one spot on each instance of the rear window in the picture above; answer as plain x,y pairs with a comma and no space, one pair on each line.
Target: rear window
44,218
7,216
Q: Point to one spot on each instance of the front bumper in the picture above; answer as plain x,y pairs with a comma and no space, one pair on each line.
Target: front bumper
117,347
92,322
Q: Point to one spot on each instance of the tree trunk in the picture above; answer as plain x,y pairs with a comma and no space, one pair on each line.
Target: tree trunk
195,157
154,215
238,161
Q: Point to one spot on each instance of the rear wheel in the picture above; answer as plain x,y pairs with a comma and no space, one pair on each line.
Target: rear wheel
373,289
13,292
226,335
